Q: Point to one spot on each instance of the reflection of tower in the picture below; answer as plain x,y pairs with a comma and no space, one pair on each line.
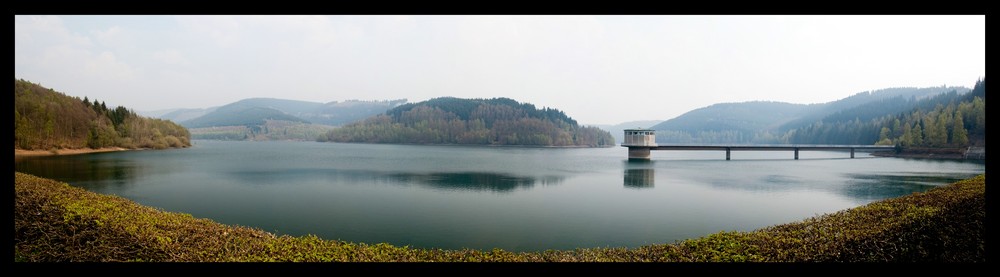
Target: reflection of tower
639,178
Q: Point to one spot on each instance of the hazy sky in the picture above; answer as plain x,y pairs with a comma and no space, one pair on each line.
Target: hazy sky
598,69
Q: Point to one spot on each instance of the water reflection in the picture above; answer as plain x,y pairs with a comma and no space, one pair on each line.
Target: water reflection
495,182
639,178
477,181
82,171
639,174
871,187
760,183
909,178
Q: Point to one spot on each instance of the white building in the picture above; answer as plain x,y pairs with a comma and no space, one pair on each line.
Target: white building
639,137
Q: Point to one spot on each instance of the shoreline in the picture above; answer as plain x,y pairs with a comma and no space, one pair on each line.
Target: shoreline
18,153
931,153
889,230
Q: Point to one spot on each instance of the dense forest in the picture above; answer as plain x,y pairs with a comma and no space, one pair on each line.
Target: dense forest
47,119
448,120
891,116
946,120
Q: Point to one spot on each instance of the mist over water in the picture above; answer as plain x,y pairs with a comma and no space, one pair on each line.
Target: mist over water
520,199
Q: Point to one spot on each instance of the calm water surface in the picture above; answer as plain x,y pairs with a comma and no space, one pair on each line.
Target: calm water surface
520,199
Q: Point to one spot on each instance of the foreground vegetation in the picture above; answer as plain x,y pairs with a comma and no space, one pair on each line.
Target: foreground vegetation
56,222
45,119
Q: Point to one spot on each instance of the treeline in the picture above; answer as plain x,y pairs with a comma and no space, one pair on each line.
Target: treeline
47,119
497,121
947,120
950,119
270,130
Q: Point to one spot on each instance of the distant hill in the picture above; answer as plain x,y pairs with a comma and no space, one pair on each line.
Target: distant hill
449,120
47,119
272,118
885,96
269,130
239,116
181,115
769,122
745,116
254,111
618,130
340,113
332,113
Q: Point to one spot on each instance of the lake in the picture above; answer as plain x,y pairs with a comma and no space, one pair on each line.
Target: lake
518,199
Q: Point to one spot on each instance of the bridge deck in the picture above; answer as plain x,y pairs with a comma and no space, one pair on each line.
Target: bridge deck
765,147
642,151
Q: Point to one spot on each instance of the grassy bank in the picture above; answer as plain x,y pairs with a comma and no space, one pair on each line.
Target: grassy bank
56,222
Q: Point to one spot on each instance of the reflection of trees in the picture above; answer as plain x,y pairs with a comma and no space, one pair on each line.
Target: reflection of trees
870,187
497,182
861,187
80,170
639,178
475,180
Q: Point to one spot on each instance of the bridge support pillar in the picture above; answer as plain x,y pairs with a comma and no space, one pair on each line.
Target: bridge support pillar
638,153
852,153
796,153
727,153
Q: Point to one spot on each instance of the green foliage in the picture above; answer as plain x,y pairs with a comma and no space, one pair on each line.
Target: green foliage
46,119
56,222
498,121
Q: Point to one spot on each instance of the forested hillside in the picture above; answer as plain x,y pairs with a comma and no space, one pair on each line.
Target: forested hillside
888,96
47,119
948,120
448,120
846,121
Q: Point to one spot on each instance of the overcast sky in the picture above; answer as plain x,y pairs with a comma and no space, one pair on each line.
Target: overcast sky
598,69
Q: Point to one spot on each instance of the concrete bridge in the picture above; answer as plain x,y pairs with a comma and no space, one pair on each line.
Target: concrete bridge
641,141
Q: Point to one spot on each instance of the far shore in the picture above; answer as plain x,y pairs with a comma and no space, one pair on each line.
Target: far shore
948,153
55,152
